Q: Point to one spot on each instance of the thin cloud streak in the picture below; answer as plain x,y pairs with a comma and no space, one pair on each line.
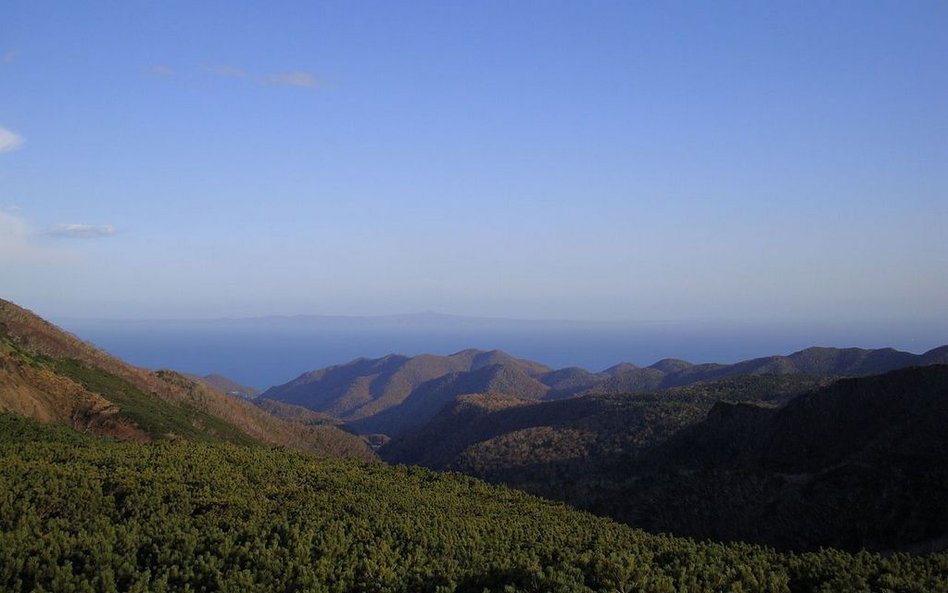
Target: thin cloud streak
162,70
82,231
10,56
298,79
226,71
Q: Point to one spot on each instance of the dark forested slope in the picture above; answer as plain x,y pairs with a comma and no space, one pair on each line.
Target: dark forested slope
859,462
565,448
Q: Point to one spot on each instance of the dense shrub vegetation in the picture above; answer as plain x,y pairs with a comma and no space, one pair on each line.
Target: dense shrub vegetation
79,514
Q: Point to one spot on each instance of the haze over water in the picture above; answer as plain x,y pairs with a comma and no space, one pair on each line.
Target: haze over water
267,351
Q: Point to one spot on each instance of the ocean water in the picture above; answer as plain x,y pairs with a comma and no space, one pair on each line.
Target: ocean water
271,351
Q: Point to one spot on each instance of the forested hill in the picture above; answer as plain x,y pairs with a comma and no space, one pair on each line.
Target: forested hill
396,394
860,462
79,513
50,375
545,445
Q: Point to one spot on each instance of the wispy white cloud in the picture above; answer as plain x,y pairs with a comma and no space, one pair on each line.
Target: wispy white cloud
9,141
227,71
299,78
82,231
20,244
162,70
296,78
9,56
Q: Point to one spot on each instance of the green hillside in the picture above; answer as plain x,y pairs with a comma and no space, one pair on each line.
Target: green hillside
82,514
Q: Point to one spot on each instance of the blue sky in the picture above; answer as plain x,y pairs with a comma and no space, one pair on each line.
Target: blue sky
772,161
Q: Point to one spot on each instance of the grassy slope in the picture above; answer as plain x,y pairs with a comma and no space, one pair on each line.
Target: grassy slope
155,416
83,514
48,374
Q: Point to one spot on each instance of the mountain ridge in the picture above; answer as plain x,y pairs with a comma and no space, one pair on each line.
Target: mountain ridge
397,393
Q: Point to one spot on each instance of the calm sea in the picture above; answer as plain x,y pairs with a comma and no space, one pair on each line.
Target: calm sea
270,351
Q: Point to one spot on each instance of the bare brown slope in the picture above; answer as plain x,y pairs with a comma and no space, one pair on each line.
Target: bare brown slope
51,375
265,427
36,392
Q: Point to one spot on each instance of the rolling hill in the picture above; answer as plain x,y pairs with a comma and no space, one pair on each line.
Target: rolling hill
367,387
397,394
428,398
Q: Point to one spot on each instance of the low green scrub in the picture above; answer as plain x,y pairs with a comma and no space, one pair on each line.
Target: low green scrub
79,514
